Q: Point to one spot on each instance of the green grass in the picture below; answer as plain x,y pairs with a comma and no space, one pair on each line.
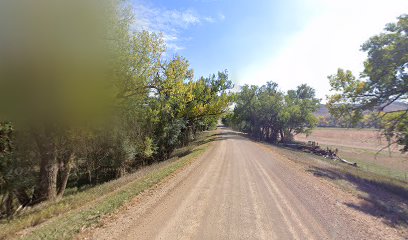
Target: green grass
374,174
371,166
347,129
67,219
380,170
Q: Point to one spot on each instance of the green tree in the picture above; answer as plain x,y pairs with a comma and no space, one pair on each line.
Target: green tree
268,114
383,82
298,116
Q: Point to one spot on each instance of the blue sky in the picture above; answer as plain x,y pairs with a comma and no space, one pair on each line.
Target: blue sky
286,41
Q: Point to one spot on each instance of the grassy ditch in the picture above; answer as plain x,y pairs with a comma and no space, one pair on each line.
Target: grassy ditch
67,217
346,172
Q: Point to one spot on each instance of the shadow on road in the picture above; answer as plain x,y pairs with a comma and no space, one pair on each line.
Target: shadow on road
380,199
223,136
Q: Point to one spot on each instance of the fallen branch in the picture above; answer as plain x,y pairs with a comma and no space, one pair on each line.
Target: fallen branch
347,162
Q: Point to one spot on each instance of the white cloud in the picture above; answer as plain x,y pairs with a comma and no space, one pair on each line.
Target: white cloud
209,19
221,17
187,17
331,40
170,22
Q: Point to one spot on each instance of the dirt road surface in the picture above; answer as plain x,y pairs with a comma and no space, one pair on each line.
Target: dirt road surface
241,189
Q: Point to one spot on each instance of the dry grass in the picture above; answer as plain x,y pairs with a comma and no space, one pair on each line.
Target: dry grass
361,146
349,137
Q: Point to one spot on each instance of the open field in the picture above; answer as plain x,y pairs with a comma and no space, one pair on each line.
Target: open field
361,146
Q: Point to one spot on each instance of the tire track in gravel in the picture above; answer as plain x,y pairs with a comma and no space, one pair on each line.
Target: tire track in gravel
239,189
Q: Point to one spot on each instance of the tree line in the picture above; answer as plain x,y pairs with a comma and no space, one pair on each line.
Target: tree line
92,107
268,114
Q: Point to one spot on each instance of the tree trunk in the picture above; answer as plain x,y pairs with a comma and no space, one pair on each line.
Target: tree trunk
22,197
274,137
9,204
47,185
268,134
48,180
64,171
194,130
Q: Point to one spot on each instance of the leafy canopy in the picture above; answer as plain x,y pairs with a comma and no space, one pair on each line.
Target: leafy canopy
383,82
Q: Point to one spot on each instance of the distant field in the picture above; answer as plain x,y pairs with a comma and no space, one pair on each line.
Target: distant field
361,146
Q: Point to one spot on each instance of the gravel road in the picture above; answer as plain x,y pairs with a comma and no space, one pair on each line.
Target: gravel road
240,189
